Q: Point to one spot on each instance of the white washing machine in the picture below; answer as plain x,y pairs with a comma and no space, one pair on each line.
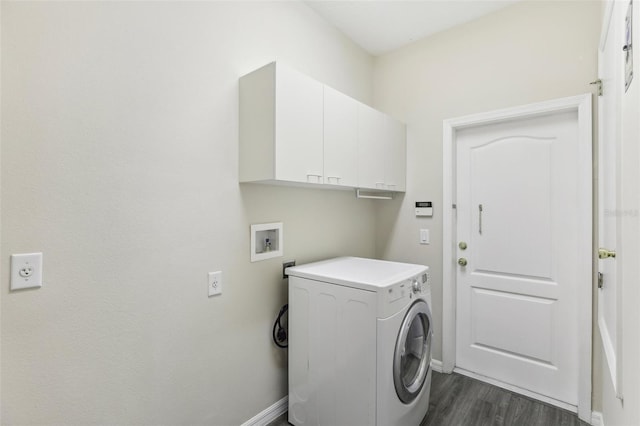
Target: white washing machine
359,343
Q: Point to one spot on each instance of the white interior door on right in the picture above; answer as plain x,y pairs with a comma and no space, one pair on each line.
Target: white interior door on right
517,204
609,113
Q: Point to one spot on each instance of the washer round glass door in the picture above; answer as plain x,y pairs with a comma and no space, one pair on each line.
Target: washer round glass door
412,357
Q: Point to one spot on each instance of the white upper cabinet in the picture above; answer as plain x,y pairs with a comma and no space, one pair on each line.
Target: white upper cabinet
382,154
295,129
371,146
299,127
281,126
340,139
395,174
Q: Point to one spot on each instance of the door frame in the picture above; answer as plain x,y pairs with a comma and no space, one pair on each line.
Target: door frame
582,105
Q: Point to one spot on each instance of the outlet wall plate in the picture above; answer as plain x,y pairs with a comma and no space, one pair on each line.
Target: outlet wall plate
26,271
215,283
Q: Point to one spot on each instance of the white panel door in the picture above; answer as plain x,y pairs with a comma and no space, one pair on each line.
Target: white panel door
609,113
517,197
371,140
298,127
340,139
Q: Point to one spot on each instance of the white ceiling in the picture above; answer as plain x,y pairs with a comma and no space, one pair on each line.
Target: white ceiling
380,26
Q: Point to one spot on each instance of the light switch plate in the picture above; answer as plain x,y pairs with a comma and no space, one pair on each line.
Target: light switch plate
424,236
26,271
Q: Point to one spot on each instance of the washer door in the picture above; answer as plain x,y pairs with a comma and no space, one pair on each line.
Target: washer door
412,357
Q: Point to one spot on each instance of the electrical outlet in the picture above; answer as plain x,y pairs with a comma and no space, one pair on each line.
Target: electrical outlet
26,271
215,283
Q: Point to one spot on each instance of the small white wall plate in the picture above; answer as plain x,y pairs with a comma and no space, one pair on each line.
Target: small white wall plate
26,271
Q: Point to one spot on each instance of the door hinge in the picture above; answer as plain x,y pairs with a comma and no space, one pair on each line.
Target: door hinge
454,206
600,279
598,82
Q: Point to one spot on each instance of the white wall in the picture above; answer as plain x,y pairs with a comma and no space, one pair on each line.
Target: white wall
529,52
616,412
119,162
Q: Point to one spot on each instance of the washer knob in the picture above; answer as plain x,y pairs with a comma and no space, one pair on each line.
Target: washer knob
415,285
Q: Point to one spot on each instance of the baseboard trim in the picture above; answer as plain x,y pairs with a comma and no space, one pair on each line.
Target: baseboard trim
277,409
269,414
436,365
596,418
516,389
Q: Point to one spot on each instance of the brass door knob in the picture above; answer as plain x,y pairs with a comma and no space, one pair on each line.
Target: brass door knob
462,261
603,253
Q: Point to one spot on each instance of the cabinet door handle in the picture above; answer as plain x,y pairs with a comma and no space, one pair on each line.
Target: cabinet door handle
318,177
337,178
380,185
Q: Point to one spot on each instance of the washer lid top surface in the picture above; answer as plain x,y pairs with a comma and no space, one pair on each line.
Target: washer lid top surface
358,272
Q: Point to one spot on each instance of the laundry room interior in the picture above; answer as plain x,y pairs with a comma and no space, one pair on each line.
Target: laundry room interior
142,179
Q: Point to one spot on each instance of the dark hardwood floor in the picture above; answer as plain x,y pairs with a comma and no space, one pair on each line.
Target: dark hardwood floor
458,400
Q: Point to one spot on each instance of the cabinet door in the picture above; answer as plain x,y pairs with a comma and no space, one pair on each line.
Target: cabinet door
396,157
340,139
371,140
298,117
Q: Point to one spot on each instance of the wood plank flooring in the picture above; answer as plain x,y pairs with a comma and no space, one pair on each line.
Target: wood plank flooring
458,400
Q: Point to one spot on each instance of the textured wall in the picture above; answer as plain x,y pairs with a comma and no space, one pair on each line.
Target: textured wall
119,162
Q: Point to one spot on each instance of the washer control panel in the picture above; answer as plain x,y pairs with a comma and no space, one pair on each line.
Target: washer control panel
395,297
415,286
398,291
420,283
408,288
